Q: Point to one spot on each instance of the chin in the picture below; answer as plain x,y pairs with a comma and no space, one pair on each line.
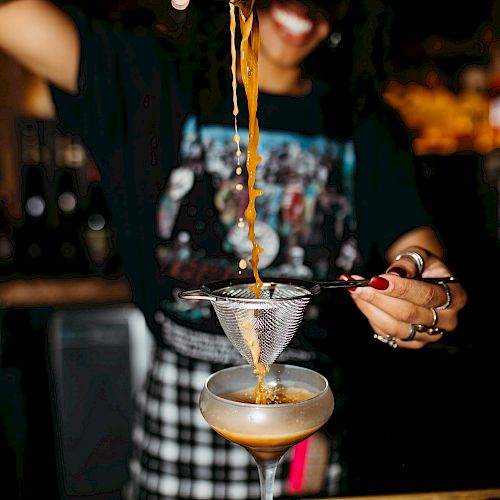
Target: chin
283,57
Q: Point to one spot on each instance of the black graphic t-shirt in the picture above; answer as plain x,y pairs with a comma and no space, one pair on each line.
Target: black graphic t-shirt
305,217
334,198
333,195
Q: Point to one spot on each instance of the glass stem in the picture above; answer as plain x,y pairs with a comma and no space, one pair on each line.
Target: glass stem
267,471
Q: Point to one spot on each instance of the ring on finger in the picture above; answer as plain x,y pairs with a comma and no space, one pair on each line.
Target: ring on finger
411,334
424,329
434,318
448,297
421,328
386,339
435,331
415,257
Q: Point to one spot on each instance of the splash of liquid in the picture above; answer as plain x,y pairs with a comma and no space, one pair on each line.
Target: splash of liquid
249,50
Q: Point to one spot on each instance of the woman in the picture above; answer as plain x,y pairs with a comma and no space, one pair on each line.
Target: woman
339,197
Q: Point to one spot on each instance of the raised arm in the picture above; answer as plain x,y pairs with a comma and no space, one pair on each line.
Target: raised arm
43,39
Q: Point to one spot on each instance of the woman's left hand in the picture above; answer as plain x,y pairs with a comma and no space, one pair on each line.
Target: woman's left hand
405,312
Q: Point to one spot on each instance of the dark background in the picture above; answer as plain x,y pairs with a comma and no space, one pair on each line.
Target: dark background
450,438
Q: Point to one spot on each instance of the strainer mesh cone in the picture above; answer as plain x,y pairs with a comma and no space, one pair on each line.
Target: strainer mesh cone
260,328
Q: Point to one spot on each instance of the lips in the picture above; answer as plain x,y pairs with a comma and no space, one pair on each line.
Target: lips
294,26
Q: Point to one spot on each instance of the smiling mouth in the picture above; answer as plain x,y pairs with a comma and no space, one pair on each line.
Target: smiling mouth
294,26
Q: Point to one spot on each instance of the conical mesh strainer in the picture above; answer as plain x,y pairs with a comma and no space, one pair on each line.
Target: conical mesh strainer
260,328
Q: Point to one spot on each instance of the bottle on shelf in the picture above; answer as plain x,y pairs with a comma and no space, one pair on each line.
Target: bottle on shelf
98,233
29,142
34,252
71,153
70,254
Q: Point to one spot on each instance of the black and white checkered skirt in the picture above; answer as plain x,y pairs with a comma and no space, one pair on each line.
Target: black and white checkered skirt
176,455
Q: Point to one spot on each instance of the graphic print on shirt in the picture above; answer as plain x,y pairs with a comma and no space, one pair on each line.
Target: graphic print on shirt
305,218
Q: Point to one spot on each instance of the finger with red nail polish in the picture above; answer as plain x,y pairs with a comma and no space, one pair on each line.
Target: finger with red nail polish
378,283
347,277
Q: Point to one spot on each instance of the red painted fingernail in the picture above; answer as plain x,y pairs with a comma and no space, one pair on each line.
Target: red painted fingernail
398,271
378,283
347,277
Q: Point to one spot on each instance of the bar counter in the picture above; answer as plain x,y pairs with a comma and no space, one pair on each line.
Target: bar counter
43,292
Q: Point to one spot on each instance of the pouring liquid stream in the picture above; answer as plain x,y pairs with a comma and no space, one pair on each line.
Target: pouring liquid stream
249,49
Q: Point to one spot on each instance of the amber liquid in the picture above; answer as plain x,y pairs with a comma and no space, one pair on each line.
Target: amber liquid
266,443
268,446
276,395
249,50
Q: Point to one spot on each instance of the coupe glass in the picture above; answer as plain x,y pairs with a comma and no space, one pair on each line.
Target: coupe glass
267,431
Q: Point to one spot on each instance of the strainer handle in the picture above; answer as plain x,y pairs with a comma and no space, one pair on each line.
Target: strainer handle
342,283
195,295
361,282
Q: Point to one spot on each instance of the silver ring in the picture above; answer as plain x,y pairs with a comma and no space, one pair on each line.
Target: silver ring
448,297
434,318
435,331
415,257
386,339
411,334
421,328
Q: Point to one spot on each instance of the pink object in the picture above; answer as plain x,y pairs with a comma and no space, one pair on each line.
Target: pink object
297,473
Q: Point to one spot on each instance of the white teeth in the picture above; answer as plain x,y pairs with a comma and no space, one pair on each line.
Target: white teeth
293,23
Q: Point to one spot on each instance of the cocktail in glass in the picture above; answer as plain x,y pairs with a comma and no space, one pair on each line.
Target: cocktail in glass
304,404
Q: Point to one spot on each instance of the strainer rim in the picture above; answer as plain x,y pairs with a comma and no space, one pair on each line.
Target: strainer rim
210,288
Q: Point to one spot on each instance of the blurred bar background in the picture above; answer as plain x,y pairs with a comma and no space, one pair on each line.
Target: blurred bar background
443,78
